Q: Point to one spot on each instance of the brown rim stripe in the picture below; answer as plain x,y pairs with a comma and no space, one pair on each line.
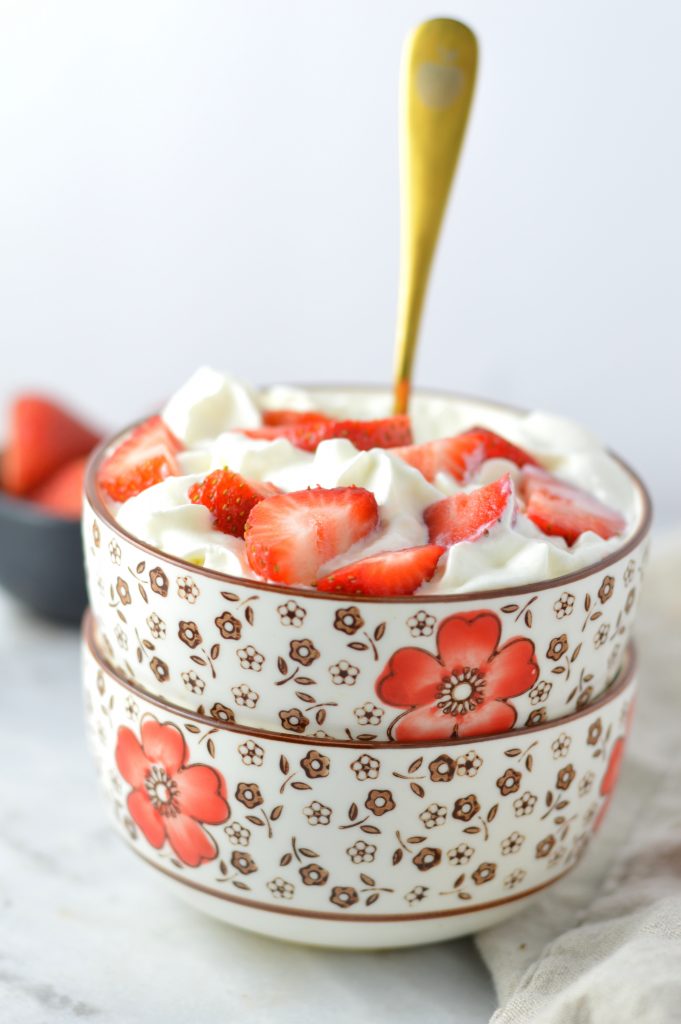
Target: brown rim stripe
99,505
615,689
323,915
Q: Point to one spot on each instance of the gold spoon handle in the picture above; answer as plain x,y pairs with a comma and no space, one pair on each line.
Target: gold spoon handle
437,78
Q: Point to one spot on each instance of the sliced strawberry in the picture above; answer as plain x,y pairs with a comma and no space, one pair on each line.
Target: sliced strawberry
230,498
290,536
145,458
42,438
563,510
468,516
461,455
63,492
291,417
364,434
389,574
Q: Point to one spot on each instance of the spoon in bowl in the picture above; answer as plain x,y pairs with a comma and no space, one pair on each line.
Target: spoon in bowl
438,74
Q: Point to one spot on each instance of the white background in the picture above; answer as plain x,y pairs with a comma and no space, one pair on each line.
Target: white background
216,182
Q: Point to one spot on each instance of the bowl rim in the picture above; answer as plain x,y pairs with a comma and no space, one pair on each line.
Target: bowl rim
622,681
99,505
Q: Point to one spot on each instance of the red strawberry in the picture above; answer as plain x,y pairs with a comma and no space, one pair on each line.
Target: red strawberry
230,498
364,434
42,438
461,455
389,574
63,492
563,510
146,457
291,417
468,516
290,536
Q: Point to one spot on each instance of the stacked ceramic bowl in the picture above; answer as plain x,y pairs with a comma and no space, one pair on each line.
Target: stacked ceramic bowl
283,757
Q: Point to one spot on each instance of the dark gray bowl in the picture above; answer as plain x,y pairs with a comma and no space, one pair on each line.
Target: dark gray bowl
41,560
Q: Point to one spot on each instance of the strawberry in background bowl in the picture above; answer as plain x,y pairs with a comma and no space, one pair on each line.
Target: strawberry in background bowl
42,469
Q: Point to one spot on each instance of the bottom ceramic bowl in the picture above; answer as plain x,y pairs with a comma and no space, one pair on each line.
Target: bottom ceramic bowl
352,844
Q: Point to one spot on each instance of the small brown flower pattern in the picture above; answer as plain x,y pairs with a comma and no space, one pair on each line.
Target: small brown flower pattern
315,765
428,857
629,572
250,659
558,647
348,620
442,768
361,852
366,767
293,720
291,614
96,534
281,889
188,633
466,807
193,681
251,753
421,624
314,874
243,862
187,589
157,626
344,896
303,651
509,782
564,606
594,732
565,777
460,855
158,581
160,670
221,713
379,802
515,878
368,714
248,794
229,626
115,552
123,591
468,764
417,894
433,815
317,813
601,635
343,673
122,640
545,846
512,844
238,834
540,692
586,783
536,717
606,589
561,745
524,805
485,872
244,696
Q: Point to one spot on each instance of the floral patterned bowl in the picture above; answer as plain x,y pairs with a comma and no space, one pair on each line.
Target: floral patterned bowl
351,844
402,669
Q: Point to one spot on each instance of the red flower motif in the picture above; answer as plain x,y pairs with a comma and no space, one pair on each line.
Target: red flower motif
462,691
609,780
169,798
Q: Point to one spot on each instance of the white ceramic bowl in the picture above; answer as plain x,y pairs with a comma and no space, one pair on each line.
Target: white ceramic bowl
351,844
294,659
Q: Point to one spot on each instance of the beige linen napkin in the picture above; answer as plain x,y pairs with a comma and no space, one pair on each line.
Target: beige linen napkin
604,945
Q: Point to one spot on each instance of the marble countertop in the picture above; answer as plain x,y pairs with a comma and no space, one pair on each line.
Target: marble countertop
86,932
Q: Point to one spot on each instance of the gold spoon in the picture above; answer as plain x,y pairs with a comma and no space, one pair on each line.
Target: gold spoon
437,78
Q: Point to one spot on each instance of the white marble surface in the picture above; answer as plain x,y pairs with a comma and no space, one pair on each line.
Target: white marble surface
85,932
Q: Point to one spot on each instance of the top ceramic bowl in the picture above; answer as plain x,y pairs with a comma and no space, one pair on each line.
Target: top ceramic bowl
300,661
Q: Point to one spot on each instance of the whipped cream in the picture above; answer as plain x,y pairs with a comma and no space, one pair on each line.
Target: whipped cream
204,413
